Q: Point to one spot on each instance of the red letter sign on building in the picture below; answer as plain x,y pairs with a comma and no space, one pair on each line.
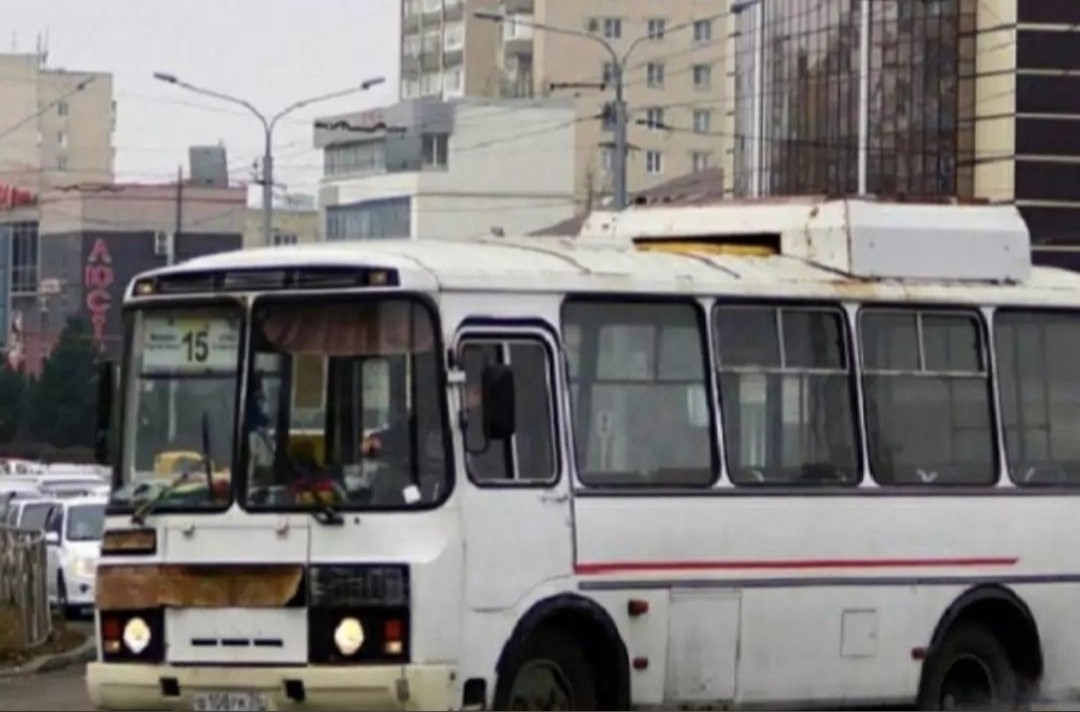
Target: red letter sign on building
97,278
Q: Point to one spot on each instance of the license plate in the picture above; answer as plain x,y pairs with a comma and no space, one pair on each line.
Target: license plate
231,702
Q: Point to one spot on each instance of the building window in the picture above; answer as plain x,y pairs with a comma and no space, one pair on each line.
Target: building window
702,76
607,117
654,118
607,159
700,160
435,148
656,27
655,74
654,162
609,73
283,238
355,157
454,37
612,28
62,139
24,258
411,45
703,31
62,163
431,83
371,219
411,88
518,27
702,121
62,108
454,81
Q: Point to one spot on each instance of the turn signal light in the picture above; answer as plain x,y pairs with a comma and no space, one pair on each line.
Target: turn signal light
394,637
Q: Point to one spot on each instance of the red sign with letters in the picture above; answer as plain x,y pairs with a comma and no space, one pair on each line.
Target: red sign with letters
98,276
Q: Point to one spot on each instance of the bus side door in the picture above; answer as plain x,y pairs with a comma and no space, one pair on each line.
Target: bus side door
516,501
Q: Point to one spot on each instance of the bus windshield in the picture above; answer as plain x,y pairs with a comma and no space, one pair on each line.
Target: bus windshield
344,406
180,406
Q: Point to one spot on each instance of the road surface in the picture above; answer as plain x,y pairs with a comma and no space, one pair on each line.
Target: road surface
60,690
66,690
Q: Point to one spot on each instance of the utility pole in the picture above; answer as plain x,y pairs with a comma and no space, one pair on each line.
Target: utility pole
179,214
268,133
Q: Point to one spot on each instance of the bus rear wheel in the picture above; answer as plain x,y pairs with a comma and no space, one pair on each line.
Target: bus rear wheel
550,673
971,670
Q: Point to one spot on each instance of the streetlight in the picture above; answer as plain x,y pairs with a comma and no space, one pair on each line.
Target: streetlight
268,128
618,69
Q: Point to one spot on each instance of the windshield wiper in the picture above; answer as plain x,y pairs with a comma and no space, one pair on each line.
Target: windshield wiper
329,515
139,515
206,454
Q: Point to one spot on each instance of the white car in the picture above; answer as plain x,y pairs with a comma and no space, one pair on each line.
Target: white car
30,512
73,537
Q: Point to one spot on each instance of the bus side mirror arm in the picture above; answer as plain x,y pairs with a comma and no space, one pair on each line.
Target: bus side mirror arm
103,424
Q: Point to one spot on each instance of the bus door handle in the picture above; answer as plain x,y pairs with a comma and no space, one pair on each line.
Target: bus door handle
555,498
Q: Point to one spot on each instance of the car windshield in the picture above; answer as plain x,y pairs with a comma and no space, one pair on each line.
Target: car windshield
180,405
344,406
85,522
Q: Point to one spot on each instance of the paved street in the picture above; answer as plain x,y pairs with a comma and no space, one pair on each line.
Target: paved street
61,690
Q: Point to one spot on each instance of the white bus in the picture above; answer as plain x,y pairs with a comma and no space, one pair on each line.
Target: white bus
799,453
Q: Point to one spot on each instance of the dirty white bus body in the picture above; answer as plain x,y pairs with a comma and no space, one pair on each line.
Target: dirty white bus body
797,454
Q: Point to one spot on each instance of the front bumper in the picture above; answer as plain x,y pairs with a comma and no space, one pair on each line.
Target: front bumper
123,686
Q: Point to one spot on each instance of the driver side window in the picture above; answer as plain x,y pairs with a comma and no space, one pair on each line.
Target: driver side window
528,456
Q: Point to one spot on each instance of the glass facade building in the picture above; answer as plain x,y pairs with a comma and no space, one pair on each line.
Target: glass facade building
798,71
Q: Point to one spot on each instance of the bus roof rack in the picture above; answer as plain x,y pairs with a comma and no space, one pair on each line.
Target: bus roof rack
862,237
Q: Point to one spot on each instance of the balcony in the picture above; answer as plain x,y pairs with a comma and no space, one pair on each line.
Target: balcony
517,37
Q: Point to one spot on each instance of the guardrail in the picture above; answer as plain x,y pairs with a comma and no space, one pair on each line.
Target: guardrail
24,584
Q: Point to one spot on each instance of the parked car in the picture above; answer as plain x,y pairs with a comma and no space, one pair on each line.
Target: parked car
73,539
11,492
29,513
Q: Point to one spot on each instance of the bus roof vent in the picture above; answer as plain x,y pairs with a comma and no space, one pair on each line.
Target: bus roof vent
864,238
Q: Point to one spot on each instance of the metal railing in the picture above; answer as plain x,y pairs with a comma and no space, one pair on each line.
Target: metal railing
24,584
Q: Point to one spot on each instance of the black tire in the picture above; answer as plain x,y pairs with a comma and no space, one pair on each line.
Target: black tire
559,654
969,659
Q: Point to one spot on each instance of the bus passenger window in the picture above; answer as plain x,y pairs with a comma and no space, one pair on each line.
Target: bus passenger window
637,374
928,416
785,391
1039,382
528,455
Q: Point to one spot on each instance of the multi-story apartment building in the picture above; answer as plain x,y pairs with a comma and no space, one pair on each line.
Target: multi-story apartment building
967,98
58,125
674,78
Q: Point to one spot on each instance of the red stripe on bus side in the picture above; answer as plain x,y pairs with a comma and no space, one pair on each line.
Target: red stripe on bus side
788,565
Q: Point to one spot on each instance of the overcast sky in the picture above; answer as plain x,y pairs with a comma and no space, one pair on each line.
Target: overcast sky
269,52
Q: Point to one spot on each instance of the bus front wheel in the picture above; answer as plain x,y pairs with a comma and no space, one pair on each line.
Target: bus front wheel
970,670
551,672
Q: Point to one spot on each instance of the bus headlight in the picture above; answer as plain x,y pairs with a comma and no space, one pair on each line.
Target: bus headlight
349,636
137,635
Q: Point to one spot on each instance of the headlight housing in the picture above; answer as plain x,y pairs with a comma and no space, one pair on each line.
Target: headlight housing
358,614
137,635
349,636
84,567
132,636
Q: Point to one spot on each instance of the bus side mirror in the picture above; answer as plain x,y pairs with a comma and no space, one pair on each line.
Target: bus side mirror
499,407
103,426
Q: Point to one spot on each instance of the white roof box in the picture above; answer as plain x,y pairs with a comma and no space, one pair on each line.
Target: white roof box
863,238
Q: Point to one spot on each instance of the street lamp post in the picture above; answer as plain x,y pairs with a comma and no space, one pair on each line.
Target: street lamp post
618,71
268,130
